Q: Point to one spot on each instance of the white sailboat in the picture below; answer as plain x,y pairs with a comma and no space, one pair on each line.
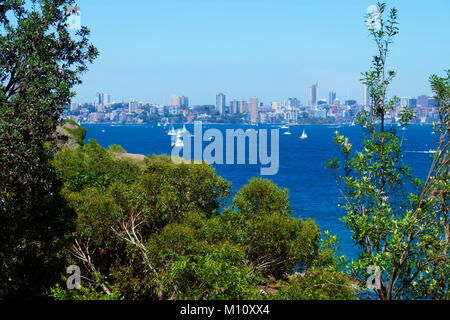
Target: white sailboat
172,132
304,135
287,132
177,141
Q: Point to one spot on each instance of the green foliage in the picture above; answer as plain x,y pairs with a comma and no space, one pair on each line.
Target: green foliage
160,233
116,149
185,187
316,284
432,208
94,166
84,293
441,89
97,212
275,244
261,197
219,273
406,236
39,64
259,219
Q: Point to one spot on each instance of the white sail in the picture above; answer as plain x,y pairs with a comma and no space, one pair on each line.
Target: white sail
172,132
304,135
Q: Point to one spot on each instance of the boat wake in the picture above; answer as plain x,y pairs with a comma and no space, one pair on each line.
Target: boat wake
426,152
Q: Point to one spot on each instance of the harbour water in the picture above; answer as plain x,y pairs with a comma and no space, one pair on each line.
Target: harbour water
312,190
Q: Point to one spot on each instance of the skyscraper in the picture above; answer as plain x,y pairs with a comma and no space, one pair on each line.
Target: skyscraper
331,97
101,100
312,95
132,106
106,99
174,101
184,102
98,99
234,106
221,102
243,107
253,108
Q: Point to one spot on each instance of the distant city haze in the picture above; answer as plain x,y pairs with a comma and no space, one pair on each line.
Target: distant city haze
272,50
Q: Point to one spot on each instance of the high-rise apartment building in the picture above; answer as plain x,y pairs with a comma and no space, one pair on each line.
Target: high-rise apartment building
312,95
132,105
243,106
184,102
253,107
331,97
221,103
106,99
234,106
174,101
98,98
102,100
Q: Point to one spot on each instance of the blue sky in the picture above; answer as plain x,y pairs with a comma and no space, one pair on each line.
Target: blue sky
272,49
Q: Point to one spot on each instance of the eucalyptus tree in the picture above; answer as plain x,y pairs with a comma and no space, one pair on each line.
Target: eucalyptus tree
399,224
40,61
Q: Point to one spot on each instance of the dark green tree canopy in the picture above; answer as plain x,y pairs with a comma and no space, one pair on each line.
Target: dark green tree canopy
40,61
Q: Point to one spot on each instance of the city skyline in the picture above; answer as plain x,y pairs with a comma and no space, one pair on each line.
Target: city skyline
270,50
290,110
237,103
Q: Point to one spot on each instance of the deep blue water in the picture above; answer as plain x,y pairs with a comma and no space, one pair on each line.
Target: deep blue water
313,192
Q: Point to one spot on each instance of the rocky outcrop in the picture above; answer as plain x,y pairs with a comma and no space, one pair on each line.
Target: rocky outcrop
70,135
130,155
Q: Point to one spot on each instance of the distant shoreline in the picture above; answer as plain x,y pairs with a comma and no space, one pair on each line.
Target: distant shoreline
243,124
